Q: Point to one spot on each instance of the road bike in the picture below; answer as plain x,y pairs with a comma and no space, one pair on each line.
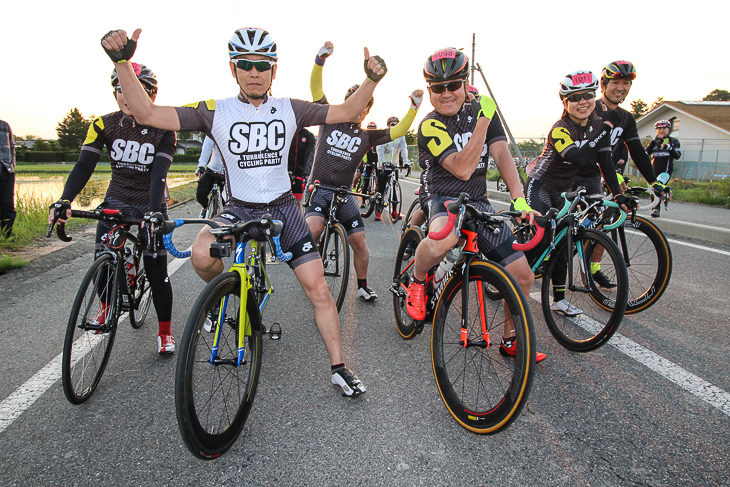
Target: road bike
392,196
333,245
115,284
569,248
367,184
219,359
468,307
215,199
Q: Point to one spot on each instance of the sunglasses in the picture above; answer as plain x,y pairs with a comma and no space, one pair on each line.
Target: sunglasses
630,76
581,96
149,92
260,66
451,86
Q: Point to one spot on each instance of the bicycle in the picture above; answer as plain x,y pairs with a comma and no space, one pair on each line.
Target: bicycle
215,199
645,249
333,245
392,196
569,246
482,390
219,359
114,284
367,183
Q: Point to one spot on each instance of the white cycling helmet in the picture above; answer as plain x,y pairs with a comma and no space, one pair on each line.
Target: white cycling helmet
578,81
252,40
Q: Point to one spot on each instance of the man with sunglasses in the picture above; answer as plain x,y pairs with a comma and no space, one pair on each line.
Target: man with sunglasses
340,148
254,132
454,142
616,81
140,157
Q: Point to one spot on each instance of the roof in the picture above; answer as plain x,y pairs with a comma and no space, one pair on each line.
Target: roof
715,113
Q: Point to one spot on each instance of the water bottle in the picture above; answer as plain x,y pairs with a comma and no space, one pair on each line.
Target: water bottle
445,266
130,266
588,222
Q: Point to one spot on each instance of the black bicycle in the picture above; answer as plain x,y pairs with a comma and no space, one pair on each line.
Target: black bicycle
392,196
114,284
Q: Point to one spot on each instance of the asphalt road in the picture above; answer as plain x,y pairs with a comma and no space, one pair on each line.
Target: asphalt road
650,408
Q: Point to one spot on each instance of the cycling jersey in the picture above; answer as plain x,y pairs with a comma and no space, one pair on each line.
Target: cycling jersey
663,152
391,152
570,147
340,148
628,133
439,136
254,140
139,157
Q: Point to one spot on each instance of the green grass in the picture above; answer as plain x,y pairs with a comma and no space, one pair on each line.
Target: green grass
8,262
716,193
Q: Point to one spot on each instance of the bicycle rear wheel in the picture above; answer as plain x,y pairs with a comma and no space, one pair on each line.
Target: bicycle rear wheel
407,220
650,262
213,400
142,300
395,201
214,204
602,308
335,253
482,390
404,268
90,331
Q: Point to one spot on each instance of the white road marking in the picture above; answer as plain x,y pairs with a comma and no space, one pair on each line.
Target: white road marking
712,395
27,394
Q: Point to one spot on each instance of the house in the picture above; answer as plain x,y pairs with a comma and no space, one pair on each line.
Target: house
189,140
703,130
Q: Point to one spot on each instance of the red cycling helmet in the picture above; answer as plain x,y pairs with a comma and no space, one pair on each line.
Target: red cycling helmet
663,124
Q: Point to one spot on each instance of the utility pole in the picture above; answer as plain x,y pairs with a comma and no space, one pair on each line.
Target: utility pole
473,51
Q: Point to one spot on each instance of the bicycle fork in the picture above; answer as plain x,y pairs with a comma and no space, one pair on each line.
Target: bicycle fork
471,249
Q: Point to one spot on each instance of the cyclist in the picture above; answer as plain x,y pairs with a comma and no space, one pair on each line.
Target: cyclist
616,80
139,156
367,166
663,150
210,170
340,149
397,151
454,142
254,132
301,156
580,138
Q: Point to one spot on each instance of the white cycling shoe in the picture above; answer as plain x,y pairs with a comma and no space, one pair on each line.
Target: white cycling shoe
565,308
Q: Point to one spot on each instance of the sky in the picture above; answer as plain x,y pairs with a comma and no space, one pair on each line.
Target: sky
54,61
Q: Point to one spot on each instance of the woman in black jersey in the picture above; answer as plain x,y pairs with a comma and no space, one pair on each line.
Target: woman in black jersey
578,139
140,158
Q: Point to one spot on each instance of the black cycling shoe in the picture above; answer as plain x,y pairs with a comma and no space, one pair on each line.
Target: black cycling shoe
603,281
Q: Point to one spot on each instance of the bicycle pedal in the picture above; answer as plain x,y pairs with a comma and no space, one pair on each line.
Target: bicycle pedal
274,331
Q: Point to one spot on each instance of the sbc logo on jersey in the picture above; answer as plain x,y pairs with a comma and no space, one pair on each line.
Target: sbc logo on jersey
132,151
257,143
343,141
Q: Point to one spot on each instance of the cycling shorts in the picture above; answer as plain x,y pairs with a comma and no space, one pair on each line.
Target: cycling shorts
103,228
348,214
496,247
592,184
295,236
540,197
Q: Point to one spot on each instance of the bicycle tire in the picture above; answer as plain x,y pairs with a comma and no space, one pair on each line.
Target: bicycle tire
370,206
598,322
335,253
212,402
402,275
259,286
142,300
501,185
214,204
650,263
86,352
406,221
482,390
395,202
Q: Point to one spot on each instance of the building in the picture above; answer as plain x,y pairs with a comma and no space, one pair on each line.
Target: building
703,130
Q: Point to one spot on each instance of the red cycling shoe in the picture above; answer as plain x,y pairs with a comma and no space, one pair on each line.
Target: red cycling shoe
416,301
508,348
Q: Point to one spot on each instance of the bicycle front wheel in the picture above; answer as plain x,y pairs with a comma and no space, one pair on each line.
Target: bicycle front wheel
649,262
213,394
483,390
335,253
599,309
395,201
404,268
214,204
370,205
142,300
90,332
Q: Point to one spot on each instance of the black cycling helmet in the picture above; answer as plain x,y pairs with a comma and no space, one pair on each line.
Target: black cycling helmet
392,120
618,70
446,65
372,125
144,75
352,89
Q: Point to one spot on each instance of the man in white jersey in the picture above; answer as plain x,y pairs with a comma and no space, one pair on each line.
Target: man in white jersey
254,132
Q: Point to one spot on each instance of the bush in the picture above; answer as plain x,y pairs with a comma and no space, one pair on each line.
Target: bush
45,156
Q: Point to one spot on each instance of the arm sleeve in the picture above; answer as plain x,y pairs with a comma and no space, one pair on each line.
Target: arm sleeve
587,152
605,164
89,156
160,167
402,127
641,160
315,83
675,152
206,151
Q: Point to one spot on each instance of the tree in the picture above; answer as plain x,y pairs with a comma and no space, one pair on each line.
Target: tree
638,108
530,146
411,138
658,102
717,95
72,130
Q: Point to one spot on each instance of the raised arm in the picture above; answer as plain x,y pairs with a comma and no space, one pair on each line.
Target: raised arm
402,127
315,80
120,50
375,69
